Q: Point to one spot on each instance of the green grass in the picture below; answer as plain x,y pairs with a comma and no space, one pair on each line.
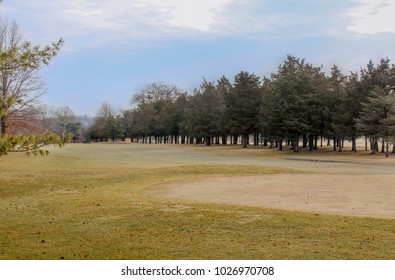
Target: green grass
92,202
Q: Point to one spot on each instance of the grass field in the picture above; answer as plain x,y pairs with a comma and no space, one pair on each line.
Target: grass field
106,201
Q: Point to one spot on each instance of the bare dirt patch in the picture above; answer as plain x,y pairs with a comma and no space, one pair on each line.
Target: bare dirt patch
356,195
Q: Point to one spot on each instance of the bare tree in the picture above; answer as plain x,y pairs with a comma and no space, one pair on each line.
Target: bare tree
157,92
66,122
105,111
20,62
45,116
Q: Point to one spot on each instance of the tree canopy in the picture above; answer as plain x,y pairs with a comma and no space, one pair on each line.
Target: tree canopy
20,62
298,105
20,88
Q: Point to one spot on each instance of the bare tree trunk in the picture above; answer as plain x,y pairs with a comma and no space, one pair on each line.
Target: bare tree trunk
339,144
374,146
305,140
235,138
311,140
296,149
245,140
265,142
366,143
354,144
208,141
3,126
334,143
256,139
387,149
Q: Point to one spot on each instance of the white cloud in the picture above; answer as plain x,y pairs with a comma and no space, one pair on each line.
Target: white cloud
99,22
372,17
197,14
146,22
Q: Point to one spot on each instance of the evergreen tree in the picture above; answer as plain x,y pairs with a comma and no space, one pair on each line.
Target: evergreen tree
338,104
377,117
204,113
242,105
374,78
155,108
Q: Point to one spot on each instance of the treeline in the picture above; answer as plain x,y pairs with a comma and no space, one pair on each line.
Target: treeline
298,106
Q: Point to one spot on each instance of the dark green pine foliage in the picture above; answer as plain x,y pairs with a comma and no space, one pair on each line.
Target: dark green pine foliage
177,117
377,117
272,114
114,128
375,79
339,104
294,104
224,90
204,113
242,106
292,86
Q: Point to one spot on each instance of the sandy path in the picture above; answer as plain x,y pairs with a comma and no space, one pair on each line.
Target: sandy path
357,195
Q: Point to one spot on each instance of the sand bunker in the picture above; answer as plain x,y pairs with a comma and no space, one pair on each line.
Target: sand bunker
357,195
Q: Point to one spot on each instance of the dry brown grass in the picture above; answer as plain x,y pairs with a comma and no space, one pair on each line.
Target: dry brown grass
92,202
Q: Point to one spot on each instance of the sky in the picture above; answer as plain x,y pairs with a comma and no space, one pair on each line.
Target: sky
114,49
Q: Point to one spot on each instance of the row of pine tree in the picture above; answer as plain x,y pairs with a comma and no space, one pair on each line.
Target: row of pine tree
299,106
